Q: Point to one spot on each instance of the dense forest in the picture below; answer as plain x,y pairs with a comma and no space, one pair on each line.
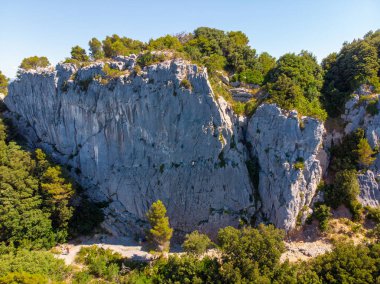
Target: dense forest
40,206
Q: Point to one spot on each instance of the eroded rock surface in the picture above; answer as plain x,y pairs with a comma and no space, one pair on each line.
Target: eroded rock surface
357,116
136,138
140,138
287,151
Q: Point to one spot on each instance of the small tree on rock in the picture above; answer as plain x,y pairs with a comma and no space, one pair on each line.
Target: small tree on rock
34,62
365,153
79,53
96,49
160,232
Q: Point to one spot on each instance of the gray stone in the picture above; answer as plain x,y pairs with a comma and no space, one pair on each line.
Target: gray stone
278,141
139,139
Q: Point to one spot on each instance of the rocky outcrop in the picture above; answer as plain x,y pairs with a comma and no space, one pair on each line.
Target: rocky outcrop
139,137
357,115
289,153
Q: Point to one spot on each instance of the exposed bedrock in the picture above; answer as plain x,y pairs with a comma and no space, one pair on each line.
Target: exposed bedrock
141,137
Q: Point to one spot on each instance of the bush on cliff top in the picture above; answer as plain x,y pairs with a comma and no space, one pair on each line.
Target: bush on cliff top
34,62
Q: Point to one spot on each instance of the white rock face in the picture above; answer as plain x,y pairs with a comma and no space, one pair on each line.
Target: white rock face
143,137
278,141
139,139
356,117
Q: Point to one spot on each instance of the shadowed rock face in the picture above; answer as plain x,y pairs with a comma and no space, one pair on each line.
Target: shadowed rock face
279,140
139,138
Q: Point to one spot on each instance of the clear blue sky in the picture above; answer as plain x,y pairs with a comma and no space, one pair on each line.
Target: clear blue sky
52,27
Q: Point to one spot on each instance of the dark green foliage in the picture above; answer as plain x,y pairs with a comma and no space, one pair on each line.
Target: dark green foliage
345,190
101,262
3,84
347,263
249,249
38,263
214,62
84,84
185,84
165,42
357,63
322,214
196,243
150,58
186,269
373,213
96,49
34,62
35,198
295,83
78,53
115,45
372,107
344,156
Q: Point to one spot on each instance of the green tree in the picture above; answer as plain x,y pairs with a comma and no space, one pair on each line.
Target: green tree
196,243
78,53
365,153
347,263
165,42
96,49
214,62
249,249
322,214
160,232
34,62
357,63
295,83
115,45
3,84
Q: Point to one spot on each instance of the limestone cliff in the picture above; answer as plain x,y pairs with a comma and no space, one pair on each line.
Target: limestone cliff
357,115
289,154
145,136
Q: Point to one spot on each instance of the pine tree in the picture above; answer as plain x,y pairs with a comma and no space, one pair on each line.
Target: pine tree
160,233
79,53
365,153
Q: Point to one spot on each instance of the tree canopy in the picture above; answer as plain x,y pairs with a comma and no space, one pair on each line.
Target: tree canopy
34,62
3,83
357,63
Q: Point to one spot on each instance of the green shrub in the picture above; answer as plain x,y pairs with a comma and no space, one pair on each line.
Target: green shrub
373,213
185,84
196,243
299,164
150,58
100,262
37,263
322,213
23,278
372,107
248,247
